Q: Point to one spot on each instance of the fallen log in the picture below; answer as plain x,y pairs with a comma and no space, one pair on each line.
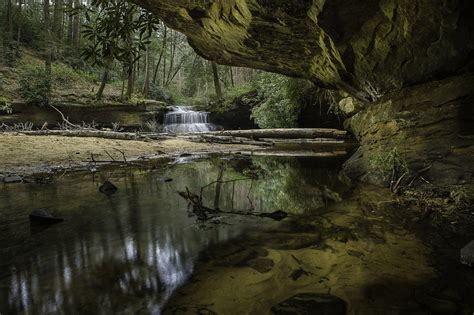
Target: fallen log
295,153
303,141
224,139
291,133
97,134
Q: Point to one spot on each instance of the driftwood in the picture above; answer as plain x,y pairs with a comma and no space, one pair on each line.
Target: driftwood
202,212
292,133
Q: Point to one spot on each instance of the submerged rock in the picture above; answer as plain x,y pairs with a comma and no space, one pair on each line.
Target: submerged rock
262,265
298,273
108,188
311,303
43,217
467,255
9,179
277,215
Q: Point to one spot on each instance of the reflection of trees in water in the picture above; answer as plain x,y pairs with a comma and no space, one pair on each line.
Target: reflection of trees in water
138,246
133,251
272,184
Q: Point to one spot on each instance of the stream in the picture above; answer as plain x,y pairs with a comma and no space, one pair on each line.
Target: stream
142,248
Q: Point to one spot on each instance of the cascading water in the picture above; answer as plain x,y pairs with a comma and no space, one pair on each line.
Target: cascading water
183,119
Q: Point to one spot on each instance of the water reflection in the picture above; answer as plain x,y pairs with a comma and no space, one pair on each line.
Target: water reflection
130,252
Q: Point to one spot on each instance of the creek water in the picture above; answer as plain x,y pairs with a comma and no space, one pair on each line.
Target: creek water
142,248
183,119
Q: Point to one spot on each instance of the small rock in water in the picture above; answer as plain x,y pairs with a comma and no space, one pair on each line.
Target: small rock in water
298,273
467,255
43,217
311,303
355,253
12,179
262,265
167,180
108,188
277,215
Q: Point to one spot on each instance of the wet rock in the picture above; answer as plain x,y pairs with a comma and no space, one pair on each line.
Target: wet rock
311,303
287,241
43,217
437,304
467,255
232,255
277,215
188,310
355,253
238,114
298,273
108,188
262,265
346,105
9,179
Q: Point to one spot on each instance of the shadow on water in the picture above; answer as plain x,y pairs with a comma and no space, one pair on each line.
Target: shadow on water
143,248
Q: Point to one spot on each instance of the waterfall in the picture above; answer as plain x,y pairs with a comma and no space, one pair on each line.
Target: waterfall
183,119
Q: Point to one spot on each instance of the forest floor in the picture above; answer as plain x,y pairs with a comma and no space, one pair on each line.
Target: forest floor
26,155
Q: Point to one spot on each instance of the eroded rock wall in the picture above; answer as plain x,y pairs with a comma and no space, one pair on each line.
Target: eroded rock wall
429,127
364,47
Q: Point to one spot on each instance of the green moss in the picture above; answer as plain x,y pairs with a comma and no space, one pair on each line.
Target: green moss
390,164
5,105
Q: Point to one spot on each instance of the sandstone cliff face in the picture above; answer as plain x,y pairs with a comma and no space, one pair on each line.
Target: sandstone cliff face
428,126
406,61
364,47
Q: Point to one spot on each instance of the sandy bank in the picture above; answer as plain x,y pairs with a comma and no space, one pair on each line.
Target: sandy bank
29,154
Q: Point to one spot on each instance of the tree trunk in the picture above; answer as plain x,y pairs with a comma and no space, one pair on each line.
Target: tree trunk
217,83
172,56
10,18
103,83
76,27
70,24
231,76
163,47
18,34
48,42
130,80
146,81
57,19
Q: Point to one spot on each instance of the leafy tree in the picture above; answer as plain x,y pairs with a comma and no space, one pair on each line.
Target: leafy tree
278,109
117,30
35,86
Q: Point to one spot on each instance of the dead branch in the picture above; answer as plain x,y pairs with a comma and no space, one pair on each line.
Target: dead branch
65,120
202,211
